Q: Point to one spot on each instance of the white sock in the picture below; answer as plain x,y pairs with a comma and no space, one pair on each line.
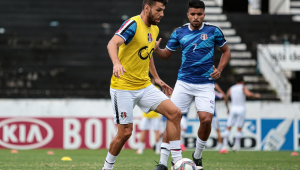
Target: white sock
182,136
109,161
157,147
141,146
164,153
219,145
237,142
200,145
225,138
175,150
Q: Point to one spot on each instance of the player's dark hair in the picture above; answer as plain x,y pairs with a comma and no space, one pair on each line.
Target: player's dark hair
196,4
152,2
239,79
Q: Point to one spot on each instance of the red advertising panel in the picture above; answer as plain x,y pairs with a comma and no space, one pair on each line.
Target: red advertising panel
66,133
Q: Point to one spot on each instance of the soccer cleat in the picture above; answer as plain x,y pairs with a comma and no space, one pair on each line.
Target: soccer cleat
223,151
161,167
139,152
172,165
234,149
183,148
198,162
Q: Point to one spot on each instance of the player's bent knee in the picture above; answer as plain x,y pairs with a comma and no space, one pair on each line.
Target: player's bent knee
127,134
206,121
178,113
125,131
175,115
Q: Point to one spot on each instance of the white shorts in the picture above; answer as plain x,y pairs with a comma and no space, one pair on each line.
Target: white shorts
150,123
184,122
123,102
236,116
215,123
204,95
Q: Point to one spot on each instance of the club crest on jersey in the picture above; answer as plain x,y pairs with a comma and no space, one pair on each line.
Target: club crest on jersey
203,37
123,115
150,39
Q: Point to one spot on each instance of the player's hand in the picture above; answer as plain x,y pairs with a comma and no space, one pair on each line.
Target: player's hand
118,70
257,95
216,73
165,88
157,44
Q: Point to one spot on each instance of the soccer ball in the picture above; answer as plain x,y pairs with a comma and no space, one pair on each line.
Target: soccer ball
185,164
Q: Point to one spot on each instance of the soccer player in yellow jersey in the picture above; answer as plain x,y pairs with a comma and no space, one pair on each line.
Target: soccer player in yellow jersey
130,50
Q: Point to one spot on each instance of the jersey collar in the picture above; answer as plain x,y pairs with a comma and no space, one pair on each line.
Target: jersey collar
199,28
143,21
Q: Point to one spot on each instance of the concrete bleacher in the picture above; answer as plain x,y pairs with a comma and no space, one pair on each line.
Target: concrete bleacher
54,49
295,7
262,29
57,49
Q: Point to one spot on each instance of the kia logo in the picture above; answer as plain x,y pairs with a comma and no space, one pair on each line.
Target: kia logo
24,133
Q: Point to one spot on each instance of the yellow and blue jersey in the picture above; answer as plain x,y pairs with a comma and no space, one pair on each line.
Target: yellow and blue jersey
198,47
135,53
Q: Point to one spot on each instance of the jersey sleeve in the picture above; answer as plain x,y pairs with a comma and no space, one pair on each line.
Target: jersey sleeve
173,42
127,30
220,38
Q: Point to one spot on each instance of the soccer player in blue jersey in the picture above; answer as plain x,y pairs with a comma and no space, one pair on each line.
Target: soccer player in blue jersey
197,74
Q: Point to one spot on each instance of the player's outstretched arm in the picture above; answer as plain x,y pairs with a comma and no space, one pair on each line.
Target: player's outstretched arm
226,102
248,93
112,48
218,88
225,98
164,54
165,88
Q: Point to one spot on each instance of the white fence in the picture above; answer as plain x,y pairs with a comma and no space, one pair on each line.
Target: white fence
83,123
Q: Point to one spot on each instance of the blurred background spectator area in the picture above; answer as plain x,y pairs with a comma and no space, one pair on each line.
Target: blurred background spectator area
57,49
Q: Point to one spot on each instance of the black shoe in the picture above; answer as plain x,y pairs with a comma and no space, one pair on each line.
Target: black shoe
161,167
198,162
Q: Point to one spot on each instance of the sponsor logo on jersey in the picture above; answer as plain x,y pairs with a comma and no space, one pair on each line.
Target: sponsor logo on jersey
24,133
203,37
150,39
144,53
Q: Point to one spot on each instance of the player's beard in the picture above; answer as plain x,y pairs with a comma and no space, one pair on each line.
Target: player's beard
151,18
196,26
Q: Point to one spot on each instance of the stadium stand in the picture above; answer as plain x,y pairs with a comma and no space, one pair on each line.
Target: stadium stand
295,7
57,49
266,29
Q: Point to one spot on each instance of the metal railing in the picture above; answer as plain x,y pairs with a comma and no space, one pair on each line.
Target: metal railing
276,64
279,6
274,73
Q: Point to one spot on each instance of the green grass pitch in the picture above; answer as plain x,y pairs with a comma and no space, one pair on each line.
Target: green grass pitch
128,160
